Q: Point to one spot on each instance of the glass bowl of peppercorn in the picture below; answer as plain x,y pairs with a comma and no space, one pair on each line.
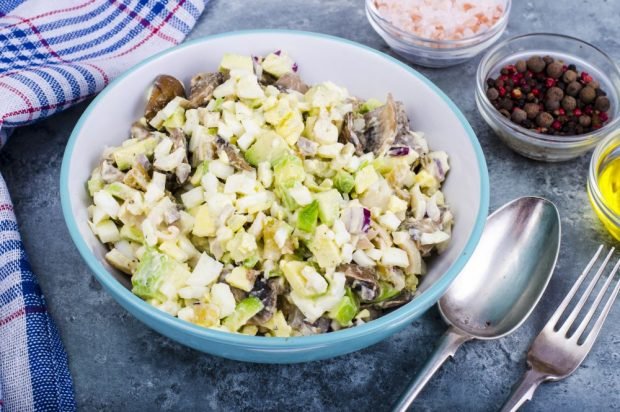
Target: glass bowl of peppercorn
548,96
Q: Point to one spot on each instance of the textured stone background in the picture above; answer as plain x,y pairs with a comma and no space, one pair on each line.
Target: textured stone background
119,364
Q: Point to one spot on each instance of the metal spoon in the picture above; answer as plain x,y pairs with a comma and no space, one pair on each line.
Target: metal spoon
501,283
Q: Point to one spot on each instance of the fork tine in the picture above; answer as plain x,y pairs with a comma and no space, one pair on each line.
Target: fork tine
603,315
582,301
596,303
560,310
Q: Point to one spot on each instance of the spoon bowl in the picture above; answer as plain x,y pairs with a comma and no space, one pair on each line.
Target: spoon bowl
509,271
501,283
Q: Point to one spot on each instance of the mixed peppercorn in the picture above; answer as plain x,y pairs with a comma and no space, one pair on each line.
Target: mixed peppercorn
549,97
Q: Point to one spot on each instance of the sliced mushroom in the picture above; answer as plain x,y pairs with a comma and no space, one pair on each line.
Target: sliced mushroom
402,120
363,281
350,135
267,291
179,141
139,130
416,228
414,140
138,176
405,242
291,81
164,89
238,294
110,174
234,155
202,86
381,128
399,300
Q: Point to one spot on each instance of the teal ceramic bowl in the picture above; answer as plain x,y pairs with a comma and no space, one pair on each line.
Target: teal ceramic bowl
365,72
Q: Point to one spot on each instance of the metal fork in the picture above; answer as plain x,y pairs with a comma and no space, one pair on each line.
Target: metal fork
555,354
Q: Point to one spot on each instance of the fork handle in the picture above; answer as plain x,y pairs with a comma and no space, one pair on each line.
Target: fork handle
447,346
523,390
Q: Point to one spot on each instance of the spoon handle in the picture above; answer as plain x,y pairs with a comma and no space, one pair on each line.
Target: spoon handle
523,391
448,344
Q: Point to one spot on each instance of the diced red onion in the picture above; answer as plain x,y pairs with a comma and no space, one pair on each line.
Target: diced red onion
295,67
277,52
398,151
366,224
356,219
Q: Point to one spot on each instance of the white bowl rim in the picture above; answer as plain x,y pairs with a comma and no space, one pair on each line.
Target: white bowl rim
418,305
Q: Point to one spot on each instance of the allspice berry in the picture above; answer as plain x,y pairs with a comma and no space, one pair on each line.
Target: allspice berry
569,76
531,109
555,93
554,70
552,105
536,64
573,88
521,66
518,115
602,104
544,119
585,120
492,93
587,95
506,103
569,103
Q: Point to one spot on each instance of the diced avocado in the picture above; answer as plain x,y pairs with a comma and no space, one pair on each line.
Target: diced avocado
329,205
324,249
292,273
383,165
308,215
364,178
124,156
427,181
120,261
346,309
244,311
386,291
269,147
240,278
132,233
278,326
232,61
107,231
201,169
251,261
344,182
121,190
156,269
95,183
242,246
176,120
204,225
370,105
278,64
288,170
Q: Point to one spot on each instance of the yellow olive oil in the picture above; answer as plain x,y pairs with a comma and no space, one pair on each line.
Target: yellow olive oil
609,185
608,182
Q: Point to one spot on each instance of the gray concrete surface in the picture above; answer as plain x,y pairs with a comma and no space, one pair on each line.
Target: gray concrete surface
120,365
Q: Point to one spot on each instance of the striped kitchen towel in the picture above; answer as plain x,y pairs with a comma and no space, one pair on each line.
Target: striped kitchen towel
53,54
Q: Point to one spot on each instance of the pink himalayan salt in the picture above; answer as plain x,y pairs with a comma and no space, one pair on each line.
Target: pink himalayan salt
442,19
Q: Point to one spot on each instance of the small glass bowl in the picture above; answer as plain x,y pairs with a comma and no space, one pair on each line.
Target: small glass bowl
435,53
572,51
607,151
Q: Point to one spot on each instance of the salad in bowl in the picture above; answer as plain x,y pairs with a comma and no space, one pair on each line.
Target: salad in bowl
252,202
